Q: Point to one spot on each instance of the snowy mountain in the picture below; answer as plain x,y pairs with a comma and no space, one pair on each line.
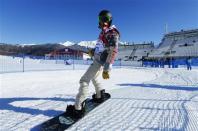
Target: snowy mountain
36,50
40,49
67,43
90,44
26,44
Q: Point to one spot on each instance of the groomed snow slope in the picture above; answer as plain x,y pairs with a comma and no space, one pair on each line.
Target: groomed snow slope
142,99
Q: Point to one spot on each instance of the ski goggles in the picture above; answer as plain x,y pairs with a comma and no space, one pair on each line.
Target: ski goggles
103,19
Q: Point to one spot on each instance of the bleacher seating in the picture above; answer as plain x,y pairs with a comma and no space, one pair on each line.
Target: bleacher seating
174,45
178,44
134,52
141,53
124,54
186,47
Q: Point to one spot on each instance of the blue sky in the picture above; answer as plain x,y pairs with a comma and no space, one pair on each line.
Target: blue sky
42,21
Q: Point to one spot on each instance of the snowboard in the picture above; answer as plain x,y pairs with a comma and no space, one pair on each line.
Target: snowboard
64,120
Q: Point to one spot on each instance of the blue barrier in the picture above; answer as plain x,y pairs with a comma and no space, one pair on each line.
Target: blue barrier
174,63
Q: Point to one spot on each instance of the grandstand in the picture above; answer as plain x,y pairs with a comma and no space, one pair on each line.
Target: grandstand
129,52
174,49
177,45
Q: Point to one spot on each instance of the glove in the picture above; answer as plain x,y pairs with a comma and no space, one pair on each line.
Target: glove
91,53
105,74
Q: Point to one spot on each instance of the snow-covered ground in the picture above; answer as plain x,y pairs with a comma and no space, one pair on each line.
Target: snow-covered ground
142,99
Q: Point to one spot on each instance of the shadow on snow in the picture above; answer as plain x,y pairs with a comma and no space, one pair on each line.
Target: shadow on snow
5,104
169,87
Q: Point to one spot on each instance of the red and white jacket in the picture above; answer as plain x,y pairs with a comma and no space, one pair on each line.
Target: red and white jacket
106,47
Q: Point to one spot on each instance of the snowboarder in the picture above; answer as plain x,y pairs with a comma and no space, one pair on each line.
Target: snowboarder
104,55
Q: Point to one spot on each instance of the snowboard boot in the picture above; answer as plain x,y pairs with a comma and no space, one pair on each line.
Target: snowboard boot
73,112
104,96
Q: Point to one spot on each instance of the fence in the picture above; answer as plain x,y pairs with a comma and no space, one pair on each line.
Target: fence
22,64
9,64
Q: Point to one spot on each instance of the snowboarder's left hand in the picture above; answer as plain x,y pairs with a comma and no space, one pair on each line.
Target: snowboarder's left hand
105,74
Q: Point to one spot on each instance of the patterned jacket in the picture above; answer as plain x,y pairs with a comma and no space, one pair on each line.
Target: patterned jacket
107,47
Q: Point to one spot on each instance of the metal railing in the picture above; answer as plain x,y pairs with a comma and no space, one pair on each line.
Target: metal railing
10,64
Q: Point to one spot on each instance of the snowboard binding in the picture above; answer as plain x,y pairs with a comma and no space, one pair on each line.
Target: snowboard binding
70,110
104,96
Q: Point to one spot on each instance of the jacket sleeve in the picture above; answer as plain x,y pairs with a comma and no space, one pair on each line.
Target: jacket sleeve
112,51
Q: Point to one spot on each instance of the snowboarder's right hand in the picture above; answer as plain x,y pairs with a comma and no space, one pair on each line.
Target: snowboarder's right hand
105,74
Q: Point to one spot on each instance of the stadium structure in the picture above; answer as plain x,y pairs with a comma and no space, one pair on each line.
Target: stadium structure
177,45
174,49
134,52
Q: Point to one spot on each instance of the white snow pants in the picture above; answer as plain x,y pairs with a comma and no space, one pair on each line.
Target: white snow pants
91,74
